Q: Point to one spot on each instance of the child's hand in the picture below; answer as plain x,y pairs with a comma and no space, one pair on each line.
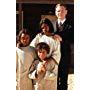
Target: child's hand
41,68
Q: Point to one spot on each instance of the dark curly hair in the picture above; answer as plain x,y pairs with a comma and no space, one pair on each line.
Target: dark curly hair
42,45
48,22
23,31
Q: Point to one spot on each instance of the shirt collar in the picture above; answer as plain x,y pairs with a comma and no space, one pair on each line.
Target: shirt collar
62,21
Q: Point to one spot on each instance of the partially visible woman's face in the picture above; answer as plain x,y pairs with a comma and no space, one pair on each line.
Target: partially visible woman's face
25,39
45,28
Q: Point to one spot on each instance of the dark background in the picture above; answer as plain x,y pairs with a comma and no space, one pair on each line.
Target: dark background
32,15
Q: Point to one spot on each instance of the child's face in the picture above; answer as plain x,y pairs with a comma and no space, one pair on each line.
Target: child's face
42,54
25,39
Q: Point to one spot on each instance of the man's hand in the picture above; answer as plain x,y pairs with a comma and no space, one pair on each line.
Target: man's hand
57,37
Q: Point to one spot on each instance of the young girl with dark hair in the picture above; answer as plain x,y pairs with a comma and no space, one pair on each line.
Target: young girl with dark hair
25,55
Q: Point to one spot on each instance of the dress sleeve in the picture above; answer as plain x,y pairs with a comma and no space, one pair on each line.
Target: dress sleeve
32,75
16,61
35,41
56,54
32,70
17,68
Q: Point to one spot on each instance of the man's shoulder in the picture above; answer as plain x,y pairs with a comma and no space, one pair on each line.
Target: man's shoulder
69,24
68,21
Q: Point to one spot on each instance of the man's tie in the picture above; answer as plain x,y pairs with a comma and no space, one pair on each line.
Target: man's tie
60,26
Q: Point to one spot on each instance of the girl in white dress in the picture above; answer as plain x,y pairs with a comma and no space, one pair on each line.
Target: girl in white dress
25,55
46,36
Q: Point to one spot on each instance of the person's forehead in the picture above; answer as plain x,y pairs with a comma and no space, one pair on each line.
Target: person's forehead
42,50
24,35
60,8
44,25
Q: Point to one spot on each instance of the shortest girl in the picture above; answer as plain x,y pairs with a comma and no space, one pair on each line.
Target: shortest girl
43,72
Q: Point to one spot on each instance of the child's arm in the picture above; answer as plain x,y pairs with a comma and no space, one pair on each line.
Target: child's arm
32,70
41,68
36,69
52,70
33,75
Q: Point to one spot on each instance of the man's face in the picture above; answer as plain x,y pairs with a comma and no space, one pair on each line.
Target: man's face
61,12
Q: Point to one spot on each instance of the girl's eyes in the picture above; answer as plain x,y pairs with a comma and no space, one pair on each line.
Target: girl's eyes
24,38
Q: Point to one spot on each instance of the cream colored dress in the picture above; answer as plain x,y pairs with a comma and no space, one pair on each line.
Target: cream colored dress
46,80
24,59
53,44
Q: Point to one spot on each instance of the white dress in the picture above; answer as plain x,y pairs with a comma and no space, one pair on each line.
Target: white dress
24,59
53,44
